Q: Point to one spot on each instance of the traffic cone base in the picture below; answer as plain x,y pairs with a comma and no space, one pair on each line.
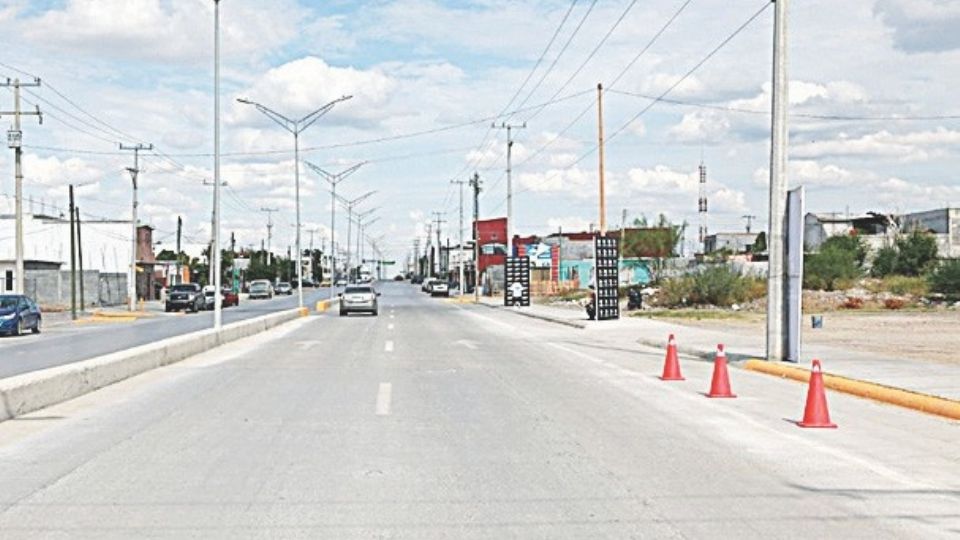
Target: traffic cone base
816,413
720,385
671,364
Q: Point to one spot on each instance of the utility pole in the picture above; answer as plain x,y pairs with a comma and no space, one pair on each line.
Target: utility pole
475,184
217,285
428,248
76,210
134,175
179,278
460,184
349,205
14,140
749,219
296,127
333,180
269,212
509,128
73,259
776,342
438,222
603,193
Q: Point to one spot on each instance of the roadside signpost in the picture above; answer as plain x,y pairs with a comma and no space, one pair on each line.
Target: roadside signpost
607,250
516,290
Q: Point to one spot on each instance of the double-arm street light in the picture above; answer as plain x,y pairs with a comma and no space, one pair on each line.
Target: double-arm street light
349,205
362,224
333,180
296,127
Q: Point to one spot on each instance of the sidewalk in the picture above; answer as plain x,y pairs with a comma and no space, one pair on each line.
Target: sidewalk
933,378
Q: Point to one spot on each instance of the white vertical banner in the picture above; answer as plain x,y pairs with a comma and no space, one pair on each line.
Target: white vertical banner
794,286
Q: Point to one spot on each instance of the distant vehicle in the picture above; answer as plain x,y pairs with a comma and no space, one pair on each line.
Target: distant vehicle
358,298
427,284
185,296
227,297
398,277
284,288
18,313
341,282
261,288
416,280
230,298
439,288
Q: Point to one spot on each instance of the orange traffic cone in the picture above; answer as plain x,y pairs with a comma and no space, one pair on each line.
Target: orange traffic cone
720,386
816,415
671,365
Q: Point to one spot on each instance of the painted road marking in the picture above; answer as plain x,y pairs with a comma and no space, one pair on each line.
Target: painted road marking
383,398
391,315
390,326
388,346
468,344
304,345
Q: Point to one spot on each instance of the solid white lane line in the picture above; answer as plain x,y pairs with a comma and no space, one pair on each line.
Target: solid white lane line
388,346
383,398
391,315
390,326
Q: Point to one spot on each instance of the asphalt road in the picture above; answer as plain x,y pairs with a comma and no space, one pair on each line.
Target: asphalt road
65,344
440,421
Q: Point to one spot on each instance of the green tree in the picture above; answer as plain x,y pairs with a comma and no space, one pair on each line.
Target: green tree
885,262
917,253
945,278
832,268
760,244
850,243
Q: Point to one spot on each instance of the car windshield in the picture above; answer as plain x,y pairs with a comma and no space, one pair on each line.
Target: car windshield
9,302
358,290
187,287
283,284
259,286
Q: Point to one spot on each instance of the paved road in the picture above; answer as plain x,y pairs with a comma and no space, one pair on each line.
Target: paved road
70,343
439,421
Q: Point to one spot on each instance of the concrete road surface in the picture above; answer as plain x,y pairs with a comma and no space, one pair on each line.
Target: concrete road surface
65,344
440,421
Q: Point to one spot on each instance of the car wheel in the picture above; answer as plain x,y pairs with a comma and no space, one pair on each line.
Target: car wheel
18,331
167,309
376,313
36,328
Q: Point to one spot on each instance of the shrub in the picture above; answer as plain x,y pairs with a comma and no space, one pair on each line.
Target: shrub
852,302
917,252
893,303
916,286
717,285
849,243
832,268
885,262
946,278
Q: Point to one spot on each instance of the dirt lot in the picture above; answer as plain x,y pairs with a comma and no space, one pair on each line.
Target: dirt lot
920,335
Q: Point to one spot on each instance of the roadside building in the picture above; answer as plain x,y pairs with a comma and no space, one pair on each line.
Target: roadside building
879,230
734,242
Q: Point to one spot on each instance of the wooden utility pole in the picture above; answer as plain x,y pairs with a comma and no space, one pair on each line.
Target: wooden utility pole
603,195
73,259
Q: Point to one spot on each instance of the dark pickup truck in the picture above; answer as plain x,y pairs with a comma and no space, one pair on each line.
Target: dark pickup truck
186,296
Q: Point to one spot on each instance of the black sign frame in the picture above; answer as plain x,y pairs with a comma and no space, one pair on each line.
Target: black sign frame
516,270
607,276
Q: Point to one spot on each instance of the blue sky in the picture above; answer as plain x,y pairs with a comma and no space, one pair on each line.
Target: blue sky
143,67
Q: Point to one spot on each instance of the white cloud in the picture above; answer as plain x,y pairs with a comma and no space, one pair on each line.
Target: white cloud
664,179
573,180
569,223
910,146
701,126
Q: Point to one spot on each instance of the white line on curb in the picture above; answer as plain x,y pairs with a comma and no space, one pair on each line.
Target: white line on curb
383,398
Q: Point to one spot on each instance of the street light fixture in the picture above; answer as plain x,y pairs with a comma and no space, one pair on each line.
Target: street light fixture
296,127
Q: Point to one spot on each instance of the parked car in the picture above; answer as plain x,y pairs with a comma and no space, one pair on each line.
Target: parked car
439,288
398,277
416,280
227,297
19,313
185,296
341,282
358,298
427,284
284,288
261,288
230,298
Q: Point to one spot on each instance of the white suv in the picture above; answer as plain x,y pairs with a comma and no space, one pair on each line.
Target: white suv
439,288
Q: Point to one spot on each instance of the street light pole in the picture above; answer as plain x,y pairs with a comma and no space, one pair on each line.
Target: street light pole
296,127
778,189
333,180
217,271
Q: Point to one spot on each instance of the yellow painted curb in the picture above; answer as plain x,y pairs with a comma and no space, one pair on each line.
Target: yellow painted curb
99,319
322,305
939,406
121,314
304,311
461,300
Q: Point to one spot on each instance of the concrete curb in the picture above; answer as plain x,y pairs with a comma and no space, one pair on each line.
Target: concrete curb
732,356
917,401
29,392
556,320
